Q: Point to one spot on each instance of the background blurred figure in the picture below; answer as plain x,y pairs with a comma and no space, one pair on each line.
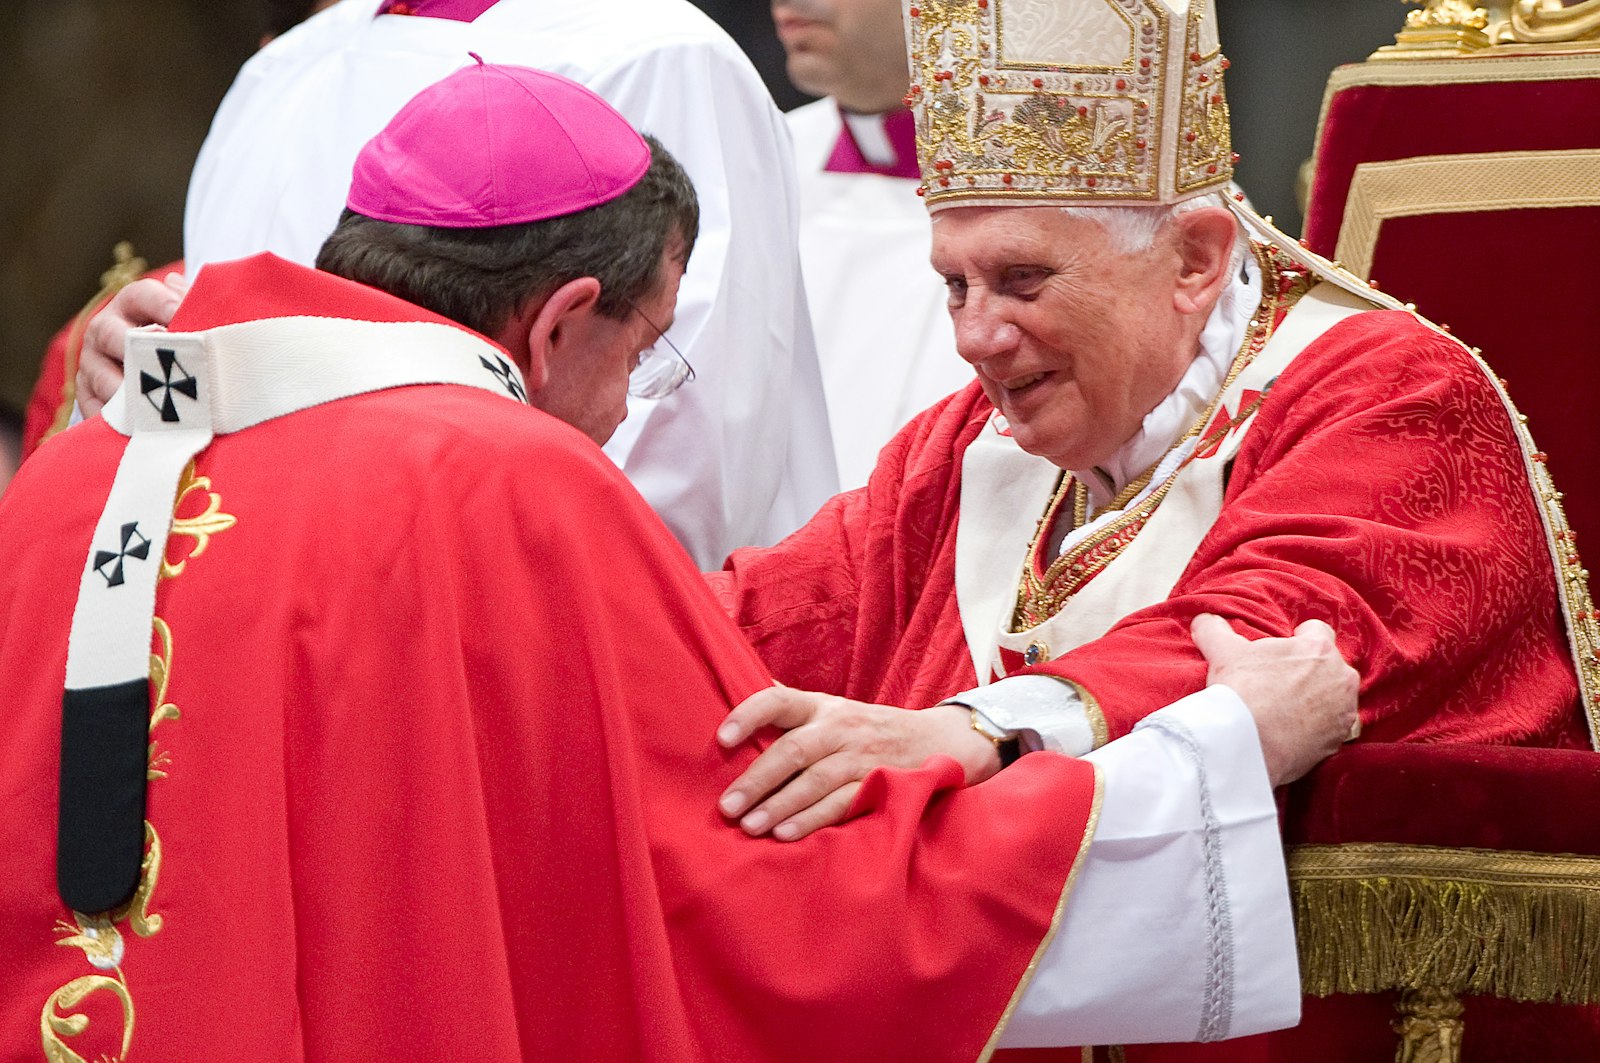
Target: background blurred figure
10,443
883,336
742,456
103,105
50,406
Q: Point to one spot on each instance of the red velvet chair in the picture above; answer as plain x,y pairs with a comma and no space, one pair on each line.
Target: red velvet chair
1448,897
1469,184
1449,894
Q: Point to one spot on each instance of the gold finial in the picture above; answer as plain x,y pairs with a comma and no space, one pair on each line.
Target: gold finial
1454,28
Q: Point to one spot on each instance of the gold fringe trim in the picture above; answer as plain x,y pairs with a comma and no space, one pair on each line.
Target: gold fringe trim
1523,926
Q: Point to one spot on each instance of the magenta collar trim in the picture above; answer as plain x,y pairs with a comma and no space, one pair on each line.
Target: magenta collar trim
901,129
455,10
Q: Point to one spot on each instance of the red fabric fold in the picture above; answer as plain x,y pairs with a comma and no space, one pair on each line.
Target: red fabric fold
442,776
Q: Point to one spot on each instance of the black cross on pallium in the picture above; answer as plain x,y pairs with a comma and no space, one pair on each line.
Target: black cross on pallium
508,380
134,545
183,384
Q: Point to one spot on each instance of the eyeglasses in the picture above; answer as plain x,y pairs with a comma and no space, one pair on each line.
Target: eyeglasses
660,371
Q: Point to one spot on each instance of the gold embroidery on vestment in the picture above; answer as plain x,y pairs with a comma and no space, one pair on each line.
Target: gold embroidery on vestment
160,672
97,935
53,1025
200,527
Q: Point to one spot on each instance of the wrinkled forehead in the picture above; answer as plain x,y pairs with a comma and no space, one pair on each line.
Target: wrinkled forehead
991,235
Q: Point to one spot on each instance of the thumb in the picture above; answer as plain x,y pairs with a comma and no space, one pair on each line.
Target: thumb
1214,637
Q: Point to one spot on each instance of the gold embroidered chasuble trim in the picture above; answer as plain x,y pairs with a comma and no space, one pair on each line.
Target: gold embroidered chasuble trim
98,935
1089,828
1047,585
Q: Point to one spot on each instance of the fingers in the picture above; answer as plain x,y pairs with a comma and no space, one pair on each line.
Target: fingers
825,813
144,302
785,759
98,378
776,706
1316,632
810,799
1215,637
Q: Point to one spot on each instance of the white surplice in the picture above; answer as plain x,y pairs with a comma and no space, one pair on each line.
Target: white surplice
883,333
741,455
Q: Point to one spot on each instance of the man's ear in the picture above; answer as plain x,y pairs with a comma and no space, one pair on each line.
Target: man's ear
558,327
1205,239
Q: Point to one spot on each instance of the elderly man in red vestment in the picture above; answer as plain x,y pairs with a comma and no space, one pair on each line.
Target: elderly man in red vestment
1178,410
387,718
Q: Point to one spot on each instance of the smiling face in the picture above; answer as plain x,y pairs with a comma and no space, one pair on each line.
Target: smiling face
1073,340
853,50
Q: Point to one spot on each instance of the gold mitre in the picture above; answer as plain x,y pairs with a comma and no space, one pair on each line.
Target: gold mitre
1080,101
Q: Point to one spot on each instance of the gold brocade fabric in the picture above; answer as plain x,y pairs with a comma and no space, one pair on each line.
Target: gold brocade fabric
1104,101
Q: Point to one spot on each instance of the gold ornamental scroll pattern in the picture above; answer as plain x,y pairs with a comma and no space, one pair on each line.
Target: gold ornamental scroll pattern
1001,118
1454,28
1551,22
99,935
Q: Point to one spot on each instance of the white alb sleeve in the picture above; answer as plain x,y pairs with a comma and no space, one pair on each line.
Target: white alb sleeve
1178,927
1043,712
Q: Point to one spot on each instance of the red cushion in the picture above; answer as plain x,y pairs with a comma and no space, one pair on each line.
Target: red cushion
1458,796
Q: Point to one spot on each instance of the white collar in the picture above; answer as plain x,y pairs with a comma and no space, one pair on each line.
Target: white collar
1220,340
871,137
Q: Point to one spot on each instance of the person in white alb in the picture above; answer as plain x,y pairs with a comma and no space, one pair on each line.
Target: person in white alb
739,458
883,334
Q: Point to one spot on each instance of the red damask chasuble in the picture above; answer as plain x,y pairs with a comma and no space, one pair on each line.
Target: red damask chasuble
432,773
1382,487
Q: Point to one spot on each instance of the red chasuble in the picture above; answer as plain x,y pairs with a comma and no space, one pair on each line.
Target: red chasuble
432,773
1381,488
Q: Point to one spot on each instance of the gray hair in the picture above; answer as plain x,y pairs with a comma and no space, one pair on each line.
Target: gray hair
1133,228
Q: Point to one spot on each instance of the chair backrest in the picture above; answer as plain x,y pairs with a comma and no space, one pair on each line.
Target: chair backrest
1470,186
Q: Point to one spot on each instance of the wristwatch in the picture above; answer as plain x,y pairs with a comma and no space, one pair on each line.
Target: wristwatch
1006,743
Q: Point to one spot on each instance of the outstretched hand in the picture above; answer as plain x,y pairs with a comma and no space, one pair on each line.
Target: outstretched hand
144,302
1300,691
808,778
